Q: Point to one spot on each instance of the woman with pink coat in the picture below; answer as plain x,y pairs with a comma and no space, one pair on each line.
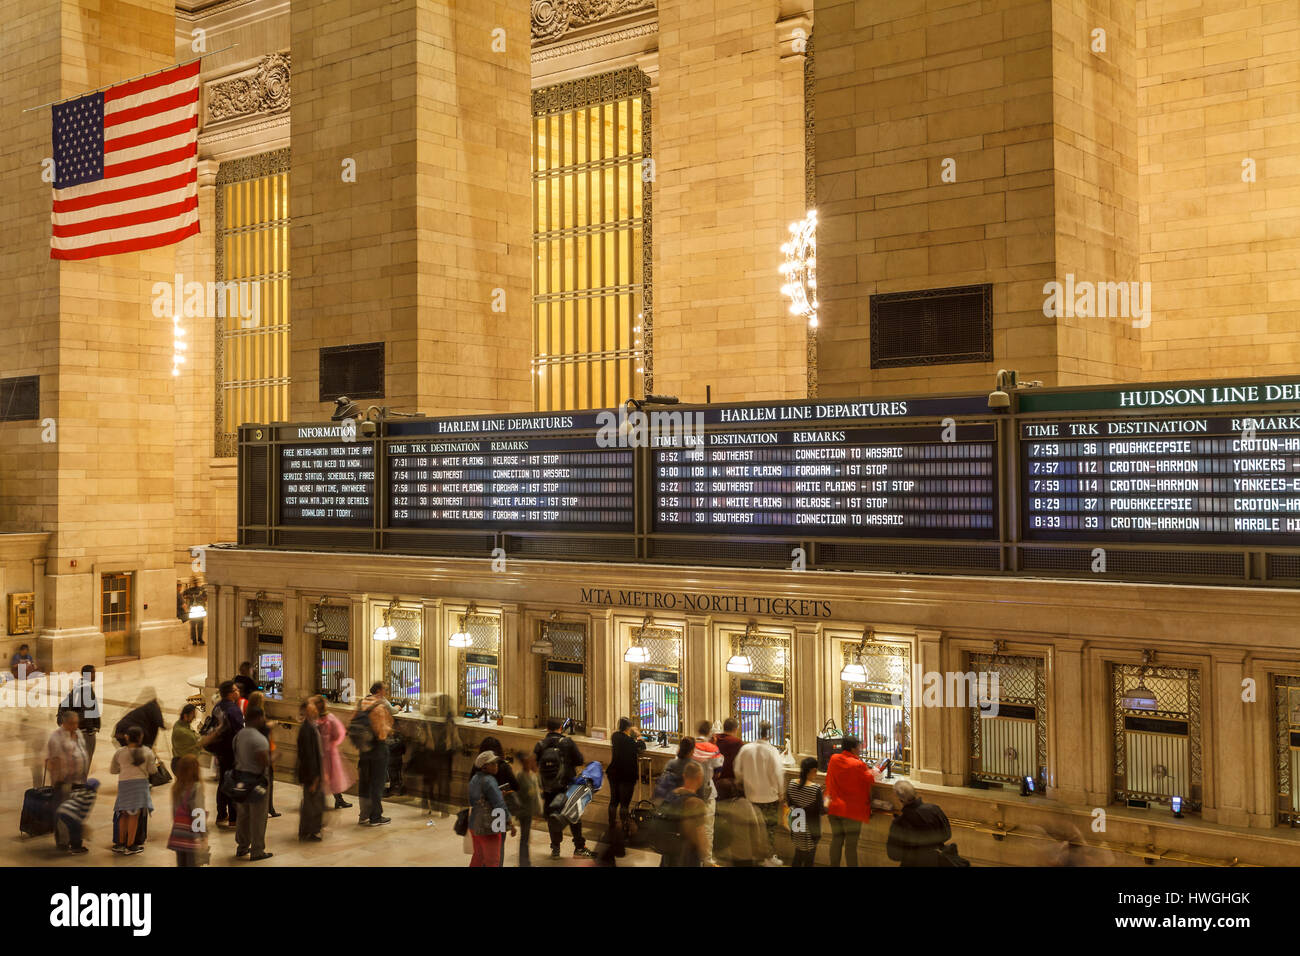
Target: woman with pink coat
336,776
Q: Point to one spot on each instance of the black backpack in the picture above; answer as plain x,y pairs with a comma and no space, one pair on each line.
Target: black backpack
360,731
551,765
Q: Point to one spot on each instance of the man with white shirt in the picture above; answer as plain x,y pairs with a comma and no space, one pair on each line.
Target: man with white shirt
760,770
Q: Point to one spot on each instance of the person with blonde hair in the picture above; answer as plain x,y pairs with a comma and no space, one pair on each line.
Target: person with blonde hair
189,837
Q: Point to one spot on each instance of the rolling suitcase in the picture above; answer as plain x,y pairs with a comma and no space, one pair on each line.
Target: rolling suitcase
642,810
37,818
141,831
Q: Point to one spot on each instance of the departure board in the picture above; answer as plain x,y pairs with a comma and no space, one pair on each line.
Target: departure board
1210,480
886,481
561,484
328,485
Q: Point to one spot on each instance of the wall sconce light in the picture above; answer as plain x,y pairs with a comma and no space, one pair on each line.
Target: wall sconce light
638,653
543,646
462,637
253,620
740,662
386,631
316,626
856,673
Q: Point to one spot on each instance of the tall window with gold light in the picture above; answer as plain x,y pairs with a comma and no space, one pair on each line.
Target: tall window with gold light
253,247
592,175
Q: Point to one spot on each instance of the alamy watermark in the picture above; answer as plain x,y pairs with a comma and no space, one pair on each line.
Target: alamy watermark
208,300
638,429
53,689
1086,299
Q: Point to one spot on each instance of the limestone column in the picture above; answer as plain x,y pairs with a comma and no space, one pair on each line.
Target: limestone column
516,667
1225,768
602,714
728,143
929,726
808,698
428,247
1067,720
196,511
296,649
699,673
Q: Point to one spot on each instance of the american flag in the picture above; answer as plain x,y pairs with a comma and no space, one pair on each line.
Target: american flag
126,166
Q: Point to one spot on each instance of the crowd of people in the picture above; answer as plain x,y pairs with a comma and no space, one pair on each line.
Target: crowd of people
720,801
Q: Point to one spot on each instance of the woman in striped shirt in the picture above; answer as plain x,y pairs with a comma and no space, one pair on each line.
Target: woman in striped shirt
806,800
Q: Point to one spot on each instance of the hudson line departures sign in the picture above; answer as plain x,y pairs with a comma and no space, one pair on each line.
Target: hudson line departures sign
1190,475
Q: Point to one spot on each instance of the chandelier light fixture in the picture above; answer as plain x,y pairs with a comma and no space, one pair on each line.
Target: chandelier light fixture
178,344
462,637
385,631
800,268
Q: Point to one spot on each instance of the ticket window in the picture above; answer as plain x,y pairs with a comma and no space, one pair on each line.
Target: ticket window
402,667
268,651
402,656
1286,694
877,700
478,666
1008,731
333,660
655,663
762,693
1157,735
564,674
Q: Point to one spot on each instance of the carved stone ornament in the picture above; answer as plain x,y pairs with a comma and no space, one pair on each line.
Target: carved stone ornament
264,89
553,18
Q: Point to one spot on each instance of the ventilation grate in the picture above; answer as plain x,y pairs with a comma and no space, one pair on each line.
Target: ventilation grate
754,553
478,545
20,398
356,371
932,327
332,540
1138,564
256,490
1284,566
899,557
614,548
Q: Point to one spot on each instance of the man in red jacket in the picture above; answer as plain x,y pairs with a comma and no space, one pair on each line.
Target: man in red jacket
848,789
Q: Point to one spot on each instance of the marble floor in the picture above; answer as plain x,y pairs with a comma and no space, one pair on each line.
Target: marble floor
408,841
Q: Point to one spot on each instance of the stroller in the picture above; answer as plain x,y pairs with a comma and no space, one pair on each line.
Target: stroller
570,805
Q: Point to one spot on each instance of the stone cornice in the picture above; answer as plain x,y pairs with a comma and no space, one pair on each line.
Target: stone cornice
24,544
1018,608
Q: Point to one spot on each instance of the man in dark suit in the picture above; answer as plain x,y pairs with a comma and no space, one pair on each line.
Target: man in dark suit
311,760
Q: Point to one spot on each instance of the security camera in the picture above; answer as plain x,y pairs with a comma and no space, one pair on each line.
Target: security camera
999,399
368,429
